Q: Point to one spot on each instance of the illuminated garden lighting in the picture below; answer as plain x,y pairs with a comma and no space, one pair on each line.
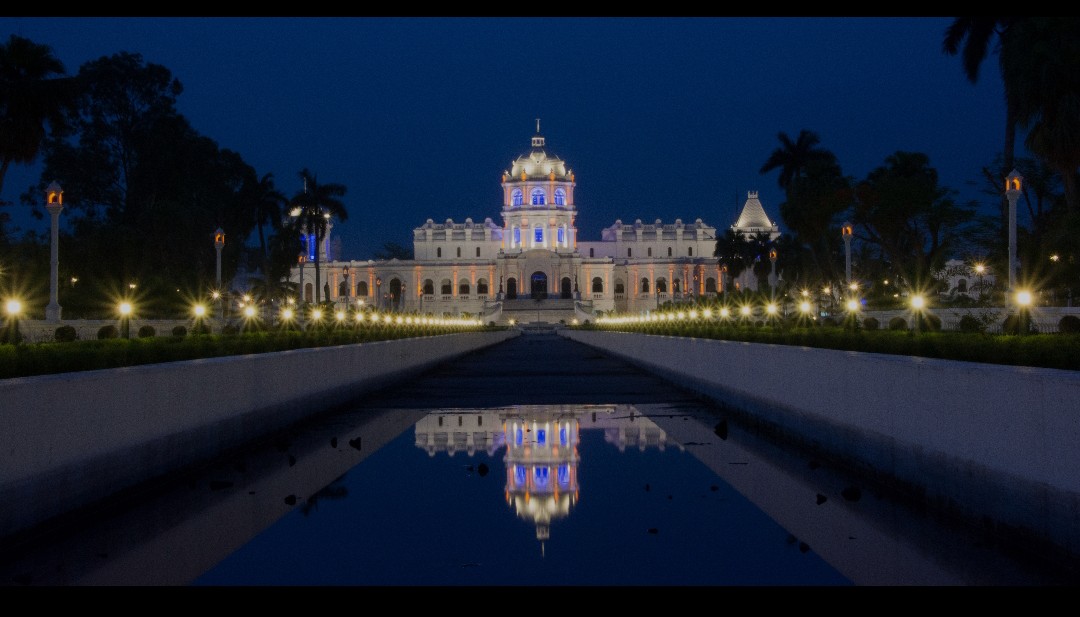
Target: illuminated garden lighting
853,305
771,308
215,295
287,314
374,317
387,319
918,302
804,307
853,286
13,307
512,322
316,315
707,314
670,316
291,300
249,311
827,290
399,320
359,317
1023,298
125,308
744,311
1055,257
408,321
725,313
340,315
200,310
247,298
681,315
693,314
573,322
805,293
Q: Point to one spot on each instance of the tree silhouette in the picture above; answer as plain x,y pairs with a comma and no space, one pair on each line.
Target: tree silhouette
315,205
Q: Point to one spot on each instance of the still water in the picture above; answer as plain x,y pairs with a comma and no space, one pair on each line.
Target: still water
535,462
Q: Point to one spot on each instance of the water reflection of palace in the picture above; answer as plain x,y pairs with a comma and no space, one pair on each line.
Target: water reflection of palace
541,448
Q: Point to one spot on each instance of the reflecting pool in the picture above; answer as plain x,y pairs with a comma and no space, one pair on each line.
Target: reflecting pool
551,494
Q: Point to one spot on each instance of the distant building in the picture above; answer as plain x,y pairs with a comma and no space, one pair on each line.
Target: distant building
960,278
531,265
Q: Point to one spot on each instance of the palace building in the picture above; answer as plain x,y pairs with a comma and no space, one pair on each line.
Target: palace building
531,266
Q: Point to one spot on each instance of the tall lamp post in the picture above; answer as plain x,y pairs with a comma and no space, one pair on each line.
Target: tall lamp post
219,243
378,293
345,276
846,231
54,203
772,271
1012,190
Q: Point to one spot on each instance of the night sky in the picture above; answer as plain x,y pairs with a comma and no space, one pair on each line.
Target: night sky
659,118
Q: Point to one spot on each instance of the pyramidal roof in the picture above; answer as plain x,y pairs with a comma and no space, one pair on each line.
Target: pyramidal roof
753,214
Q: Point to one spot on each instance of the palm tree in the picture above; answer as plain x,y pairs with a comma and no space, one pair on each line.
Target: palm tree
792,157
33,96
315,205
265,202
971,37
1039,68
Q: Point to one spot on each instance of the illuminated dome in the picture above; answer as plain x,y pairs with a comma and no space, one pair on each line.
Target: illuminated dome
753,217
537,164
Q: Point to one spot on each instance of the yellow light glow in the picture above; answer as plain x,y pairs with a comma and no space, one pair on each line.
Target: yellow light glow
247,298
125,308
316,315
387,319
13,307
853,305
771,309
512,322
805,293
918,302
707,314
399,320
805,307
853,286
287,314
745,310
200,310
725,313
693,314
359,317
249,311
340,315
980,268
215,295
1023,298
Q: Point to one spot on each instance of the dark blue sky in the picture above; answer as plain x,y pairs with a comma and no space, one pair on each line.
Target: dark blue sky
658,117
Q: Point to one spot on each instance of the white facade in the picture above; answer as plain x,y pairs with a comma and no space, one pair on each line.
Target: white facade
489,269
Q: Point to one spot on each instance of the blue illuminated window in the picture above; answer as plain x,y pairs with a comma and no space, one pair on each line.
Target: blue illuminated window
540,477
538,235
517,438
538,197
560,197
517,197
541,436
562,436
517,235
564,475
562,235
519,475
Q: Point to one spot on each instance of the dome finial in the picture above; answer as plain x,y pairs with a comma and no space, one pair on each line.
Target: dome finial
538,126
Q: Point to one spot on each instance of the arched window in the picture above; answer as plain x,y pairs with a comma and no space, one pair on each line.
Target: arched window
447,287
961,286
560,197
661,286
562,235
537,197
669,251
675,286
620,288
644,285
482,286
538,235
463,287
429,287
598,285
517,236
361,288
438,251
517,197
307,292
710,285
343,289
690,251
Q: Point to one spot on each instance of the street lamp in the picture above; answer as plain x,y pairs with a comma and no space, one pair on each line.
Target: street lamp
1023,300
219,243
125,310
13,308
1013,185
345,276
772,272
918,303
54,203
378,293
846,230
